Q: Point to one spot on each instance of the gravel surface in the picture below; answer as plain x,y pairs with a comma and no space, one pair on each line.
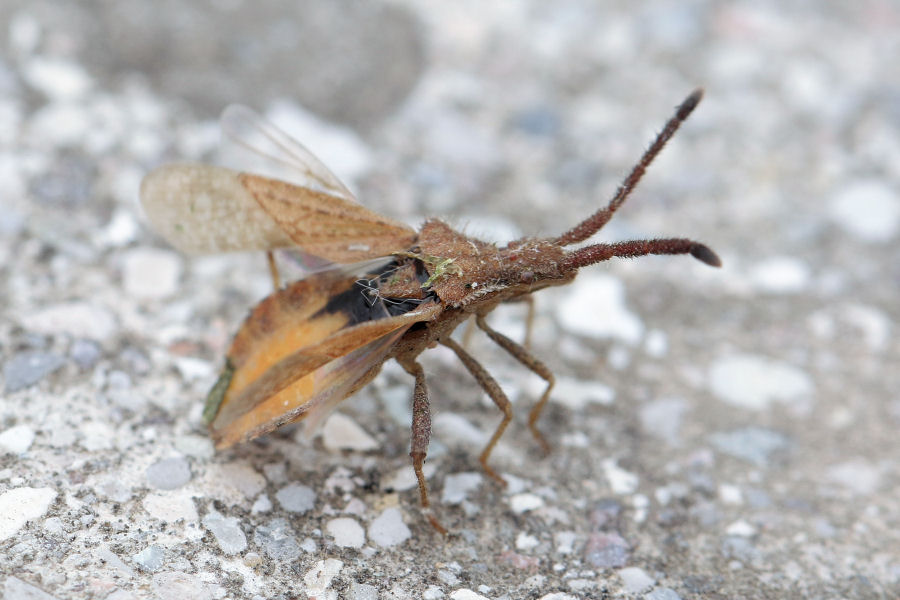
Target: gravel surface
724,433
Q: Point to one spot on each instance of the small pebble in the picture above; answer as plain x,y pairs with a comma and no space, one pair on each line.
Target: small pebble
296,498
25,369
340,432
867,209
171,507
20,505
16,589
752,444
176,584
150,273
596,307
347,532
261,505
277,540
780,275
364,591
227,531
195,446
85,353
169,473
606,550
662,594
620,480
636,580
318,579
522,503
150,558
754,382
17,439
388,528
458,485
467,594
525,541
80,320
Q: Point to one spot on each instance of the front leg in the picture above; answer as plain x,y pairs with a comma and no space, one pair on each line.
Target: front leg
421,435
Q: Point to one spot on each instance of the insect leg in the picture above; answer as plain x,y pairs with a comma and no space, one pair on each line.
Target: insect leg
489,385
421,435
467,333
525,357
273,269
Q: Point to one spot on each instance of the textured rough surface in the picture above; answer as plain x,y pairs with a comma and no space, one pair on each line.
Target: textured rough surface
722,433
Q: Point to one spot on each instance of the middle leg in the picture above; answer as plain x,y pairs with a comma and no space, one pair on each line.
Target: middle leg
489,385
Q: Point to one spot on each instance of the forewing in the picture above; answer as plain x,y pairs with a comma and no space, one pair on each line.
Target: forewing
205,209
300,348
325,225
249,130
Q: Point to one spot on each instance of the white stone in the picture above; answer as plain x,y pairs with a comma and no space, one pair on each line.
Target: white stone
467,594
458,485
150,273
520,503
781,275
576,394
171,506
404,478
526,541
388,528
318,579
741,528
636,580
58,79
754,382
17,439
340,432
20,505
857,475
620,480
77,319
595,306
867,209
347,532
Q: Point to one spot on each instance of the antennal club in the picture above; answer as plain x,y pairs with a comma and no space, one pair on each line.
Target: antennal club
592,224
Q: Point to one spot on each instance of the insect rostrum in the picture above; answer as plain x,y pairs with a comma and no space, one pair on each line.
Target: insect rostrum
389,291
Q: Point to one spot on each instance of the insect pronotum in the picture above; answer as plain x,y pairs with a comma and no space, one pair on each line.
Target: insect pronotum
386,291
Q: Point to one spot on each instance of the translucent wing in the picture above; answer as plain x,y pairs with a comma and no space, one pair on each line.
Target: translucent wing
249,130
203,209
302,350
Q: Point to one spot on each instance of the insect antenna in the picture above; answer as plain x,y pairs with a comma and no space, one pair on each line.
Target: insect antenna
592,224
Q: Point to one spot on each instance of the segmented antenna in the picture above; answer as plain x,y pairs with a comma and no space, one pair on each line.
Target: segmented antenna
592,224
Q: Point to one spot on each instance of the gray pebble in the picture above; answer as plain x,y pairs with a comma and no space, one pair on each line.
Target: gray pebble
296,498
16,589
150,558
278,540
662,594
85,353
606,550
169,473
752,444
227,531
27,368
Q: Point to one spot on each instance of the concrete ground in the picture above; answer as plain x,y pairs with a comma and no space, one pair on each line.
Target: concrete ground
722,433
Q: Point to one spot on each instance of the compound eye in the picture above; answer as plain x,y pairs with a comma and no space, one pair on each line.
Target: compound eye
526,276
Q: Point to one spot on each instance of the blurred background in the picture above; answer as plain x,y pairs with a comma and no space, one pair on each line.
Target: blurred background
719,433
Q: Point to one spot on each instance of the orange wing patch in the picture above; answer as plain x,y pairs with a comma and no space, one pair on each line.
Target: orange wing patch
296,351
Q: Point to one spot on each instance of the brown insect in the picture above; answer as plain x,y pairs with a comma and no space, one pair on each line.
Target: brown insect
385,292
